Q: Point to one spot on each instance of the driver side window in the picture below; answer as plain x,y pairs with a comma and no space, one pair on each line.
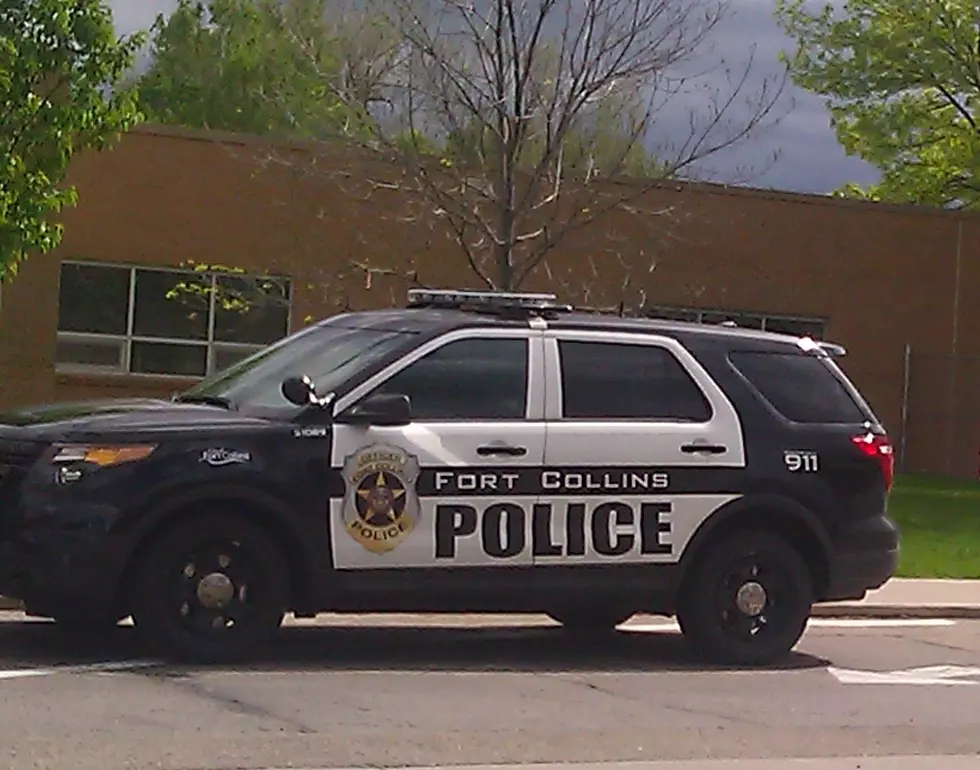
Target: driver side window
471,379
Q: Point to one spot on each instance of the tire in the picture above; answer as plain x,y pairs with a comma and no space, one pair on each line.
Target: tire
199,576
590,619
718,628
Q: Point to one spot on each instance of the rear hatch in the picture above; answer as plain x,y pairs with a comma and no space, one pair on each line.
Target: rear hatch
832,433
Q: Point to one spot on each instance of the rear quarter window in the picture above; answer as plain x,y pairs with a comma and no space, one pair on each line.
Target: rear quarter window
803,388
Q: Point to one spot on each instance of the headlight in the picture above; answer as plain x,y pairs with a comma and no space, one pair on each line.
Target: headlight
103,456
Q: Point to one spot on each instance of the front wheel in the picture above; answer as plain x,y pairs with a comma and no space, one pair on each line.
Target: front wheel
746,600
211,590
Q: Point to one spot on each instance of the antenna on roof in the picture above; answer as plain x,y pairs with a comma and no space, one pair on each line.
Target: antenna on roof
499,302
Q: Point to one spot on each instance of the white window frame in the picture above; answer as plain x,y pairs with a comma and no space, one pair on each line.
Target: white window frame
125,341
721,405
724,421
534,404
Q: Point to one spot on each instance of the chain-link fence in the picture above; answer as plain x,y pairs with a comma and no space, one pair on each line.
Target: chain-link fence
940,415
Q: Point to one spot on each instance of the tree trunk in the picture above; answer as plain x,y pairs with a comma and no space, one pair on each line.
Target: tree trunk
505,267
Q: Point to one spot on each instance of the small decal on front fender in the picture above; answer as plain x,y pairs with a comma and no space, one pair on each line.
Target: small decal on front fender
219,457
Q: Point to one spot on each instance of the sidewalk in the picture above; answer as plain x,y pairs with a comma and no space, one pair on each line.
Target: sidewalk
904,598
898,598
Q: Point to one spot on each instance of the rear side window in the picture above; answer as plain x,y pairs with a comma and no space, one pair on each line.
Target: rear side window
803,388
602,380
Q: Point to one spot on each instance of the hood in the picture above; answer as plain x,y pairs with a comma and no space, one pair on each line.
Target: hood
122,416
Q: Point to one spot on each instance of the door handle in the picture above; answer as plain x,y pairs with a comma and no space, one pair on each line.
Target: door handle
501,449
710,449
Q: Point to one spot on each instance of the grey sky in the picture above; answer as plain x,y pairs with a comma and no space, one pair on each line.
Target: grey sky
810,159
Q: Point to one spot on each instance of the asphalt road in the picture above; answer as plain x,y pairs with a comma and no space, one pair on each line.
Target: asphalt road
410,691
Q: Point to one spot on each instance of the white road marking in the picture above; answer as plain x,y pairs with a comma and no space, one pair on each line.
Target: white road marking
89,668
668,625
881,622
23,673
907,762
945,675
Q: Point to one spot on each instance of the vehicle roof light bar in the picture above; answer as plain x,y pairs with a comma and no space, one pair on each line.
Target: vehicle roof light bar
487,301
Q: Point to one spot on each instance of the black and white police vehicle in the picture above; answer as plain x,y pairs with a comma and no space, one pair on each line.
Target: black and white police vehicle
472,452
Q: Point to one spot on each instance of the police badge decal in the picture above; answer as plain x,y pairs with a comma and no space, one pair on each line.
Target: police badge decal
381,506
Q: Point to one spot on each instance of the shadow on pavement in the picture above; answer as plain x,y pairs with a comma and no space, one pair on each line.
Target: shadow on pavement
388,648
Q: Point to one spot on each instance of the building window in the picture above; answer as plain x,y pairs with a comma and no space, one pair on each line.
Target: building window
798,326
165,321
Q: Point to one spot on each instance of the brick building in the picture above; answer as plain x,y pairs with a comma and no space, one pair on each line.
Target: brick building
93,320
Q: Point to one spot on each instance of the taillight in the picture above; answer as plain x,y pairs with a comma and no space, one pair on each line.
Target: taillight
880,448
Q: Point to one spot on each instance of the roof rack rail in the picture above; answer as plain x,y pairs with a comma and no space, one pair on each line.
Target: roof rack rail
831,349
497,302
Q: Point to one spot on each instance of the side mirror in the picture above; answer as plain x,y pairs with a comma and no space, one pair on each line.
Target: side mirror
390,409
298,390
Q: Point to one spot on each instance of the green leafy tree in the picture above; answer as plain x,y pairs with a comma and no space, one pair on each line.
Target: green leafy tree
60,67
902,79
255,66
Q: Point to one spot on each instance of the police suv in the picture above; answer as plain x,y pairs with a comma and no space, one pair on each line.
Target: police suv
472,452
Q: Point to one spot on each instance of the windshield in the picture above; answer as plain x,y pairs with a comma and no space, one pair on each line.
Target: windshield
328,355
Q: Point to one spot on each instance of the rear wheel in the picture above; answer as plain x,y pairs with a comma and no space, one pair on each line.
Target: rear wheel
213,589
590,619
746,600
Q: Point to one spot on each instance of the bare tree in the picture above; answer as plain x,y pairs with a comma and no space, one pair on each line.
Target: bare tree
510,125
514,122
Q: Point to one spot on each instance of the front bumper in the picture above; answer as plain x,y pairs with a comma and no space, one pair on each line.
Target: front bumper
66,568
865,557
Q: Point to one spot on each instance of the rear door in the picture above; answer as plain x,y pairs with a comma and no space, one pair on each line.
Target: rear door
642,446
455,487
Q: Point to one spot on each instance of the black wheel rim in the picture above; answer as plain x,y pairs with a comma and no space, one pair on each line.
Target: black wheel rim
215,590
756,599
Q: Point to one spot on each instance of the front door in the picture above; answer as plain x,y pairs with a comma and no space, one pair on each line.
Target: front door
642,446
456,487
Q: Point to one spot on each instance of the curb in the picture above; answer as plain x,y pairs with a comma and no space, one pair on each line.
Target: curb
897,612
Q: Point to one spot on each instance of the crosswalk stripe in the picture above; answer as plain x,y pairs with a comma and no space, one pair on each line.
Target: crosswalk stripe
668,625
85,668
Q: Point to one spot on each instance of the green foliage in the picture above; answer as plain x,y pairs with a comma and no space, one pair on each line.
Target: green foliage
902,78
60,64
254,66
